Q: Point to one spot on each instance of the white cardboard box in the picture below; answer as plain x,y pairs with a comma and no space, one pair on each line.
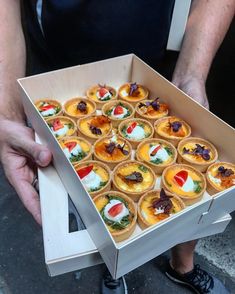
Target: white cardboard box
123,257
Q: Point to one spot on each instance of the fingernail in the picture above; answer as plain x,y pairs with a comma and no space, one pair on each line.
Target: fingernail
43,157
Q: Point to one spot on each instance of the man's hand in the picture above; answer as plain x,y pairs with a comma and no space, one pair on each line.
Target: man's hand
20,155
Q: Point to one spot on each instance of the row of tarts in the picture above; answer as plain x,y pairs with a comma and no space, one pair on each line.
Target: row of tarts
138,151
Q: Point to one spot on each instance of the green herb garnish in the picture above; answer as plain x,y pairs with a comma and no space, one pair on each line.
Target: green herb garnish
168,150
102,184
78,157
142,168
197,188
156,161
108,112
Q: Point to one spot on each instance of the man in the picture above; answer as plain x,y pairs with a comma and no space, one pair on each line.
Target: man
64,33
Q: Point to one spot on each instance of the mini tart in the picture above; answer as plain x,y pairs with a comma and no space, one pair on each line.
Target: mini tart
118,204
220,176
133,178
95,176
156,153
135,130
79,107
49,108
197,152
151,110
112,150
133,93
172,129
94,127
76,149
118,111
101,94
184,181
152,207
62,126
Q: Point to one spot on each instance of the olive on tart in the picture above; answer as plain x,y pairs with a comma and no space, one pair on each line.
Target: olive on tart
197,152
220,176
172,129
101,94
79,107
157,205
62,126
118,212
49,108
133,93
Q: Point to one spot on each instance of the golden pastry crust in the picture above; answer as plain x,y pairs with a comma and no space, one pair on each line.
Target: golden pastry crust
46,103
112,150
220,176
109,107
86,147
119,235
133,178
157,164
146,211
76,108
195,187
95,94
139,93
102,170
165,128
62,126
199,156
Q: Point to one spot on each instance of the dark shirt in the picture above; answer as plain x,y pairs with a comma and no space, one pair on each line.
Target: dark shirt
82,31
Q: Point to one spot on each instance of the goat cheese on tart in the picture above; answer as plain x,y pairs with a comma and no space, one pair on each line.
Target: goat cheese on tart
151,110
133,178
95,176
100,94
172,129
184,181
220,176
197,152
112,150
49,108
76,149
133,93
62,126
118,212
156,153
157,205
79,107
118,111
135,130
94,127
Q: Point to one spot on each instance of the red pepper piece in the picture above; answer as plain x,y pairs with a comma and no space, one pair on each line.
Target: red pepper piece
46,107
57,125
70,145
181,177
118,110
116,209
82,172
103,91
130,129
155,150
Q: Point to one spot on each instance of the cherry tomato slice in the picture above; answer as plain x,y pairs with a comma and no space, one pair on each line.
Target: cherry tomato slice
116,209
118,110
130,129
57,125
46,107
84,171
103,91
155,150
70,145
181,177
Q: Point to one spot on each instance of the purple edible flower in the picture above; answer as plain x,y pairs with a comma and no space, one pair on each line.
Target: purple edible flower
134,177
225,172
133,88
176,125
163,202
82,106
95,130
155,104
125,152
198,150
110,147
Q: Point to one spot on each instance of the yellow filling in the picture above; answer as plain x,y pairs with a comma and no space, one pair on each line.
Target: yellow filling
71,108
197,158
144,153
116,154
85,128
141,93
163,130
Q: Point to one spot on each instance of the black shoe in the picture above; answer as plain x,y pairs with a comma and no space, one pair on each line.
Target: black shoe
198,280
113,286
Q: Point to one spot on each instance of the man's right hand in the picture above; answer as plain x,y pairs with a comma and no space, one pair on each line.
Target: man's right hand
20,155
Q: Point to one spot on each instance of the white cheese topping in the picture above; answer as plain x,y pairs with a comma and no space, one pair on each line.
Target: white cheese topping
61,132
161,153
158,211
47,112
91,181
119,216
114,139
213,179
137,134
67,153
107,95
144,214
124,93
119,115
74,152
188,186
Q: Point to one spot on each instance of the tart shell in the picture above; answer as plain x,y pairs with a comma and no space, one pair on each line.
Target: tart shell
52,101
78,99
99,104
74,133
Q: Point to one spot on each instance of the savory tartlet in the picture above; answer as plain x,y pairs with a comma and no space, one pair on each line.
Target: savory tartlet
197,152
49,108
112,150
220,176
62,126
79,107
156,153
133,93
94,127
95,176
151,110
118,111
157,205
135,130
76,149
118,212
172,129
133,178
184,181
100,94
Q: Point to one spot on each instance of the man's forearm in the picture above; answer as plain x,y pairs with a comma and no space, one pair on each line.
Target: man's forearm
12,59
207,25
